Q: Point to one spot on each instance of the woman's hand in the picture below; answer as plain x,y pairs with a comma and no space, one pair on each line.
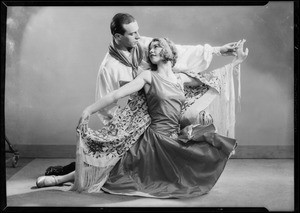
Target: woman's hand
241,54
205,118
83,121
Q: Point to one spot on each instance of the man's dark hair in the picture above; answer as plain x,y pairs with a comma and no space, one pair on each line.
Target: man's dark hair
116,25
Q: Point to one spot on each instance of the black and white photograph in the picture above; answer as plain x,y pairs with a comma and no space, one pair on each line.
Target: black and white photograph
149,106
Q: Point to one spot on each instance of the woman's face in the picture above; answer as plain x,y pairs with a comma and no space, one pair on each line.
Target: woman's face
155,52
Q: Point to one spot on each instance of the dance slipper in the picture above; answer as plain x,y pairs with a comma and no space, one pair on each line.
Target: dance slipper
45,181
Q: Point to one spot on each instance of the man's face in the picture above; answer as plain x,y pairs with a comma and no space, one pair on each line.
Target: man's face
131,35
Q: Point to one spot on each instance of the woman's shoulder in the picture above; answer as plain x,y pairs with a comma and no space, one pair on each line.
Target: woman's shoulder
181,77
188,80
184,79
146,75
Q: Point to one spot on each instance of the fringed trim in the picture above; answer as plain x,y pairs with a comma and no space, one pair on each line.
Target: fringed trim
87,177
95,177
237,75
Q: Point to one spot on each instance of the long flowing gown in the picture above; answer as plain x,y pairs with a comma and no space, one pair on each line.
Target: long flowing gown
161,165
98,151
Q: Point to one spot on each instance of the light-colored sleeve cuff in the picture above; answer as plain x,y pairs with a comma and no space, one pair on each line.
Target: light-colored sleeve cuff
217,51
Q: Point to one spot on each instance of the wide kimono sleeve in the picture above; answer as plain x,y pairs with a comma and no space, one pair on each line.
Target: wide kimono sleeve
105,84
195,58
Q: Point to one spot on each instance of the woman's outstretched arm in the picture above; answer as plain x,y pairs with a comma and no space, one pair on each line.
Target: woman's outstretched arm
133,86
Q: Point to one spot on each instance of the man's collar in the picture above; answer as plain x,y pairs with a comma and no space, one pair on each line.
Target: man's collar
118,46
122,48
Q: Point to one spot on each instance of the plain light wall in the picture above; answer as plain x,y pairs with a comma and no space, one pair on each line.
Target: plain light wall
54,53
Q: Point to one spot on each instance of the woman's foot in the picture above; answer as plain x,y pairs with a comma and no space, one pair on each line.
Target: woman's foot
45,181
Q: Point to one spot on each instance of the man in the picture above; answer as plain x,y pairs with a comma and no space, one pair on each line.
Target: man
127,57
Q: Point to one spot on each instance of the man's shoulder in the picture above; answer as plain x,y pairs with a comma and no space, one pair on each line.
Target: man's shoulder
112,67
109,62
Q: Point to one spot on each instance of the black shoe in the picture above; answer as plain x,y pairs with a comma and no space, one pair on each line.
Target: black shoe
60,170
54,170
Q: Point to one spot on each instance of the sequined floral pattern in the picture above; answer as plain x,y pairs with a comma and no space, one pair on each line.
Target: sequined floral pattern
212,78
192,94
121,132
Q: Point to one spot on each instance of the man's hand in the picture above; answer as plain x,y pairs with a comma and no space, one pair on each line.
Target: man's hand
229,49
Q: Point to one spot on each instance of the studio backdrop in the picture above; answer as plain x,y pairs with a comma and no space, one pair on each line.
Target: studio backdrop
53,55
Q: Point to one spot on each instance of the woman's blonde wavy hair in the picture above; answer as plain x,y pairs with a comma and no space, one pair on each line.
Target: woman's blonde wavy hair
164,53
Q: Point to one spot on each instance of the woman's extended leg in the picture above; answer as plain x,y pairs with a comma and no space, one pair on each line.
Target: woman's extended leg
66,178
53,180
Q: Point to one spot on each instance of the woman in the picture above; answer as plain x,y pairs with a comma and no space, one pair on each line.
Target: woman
161,163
